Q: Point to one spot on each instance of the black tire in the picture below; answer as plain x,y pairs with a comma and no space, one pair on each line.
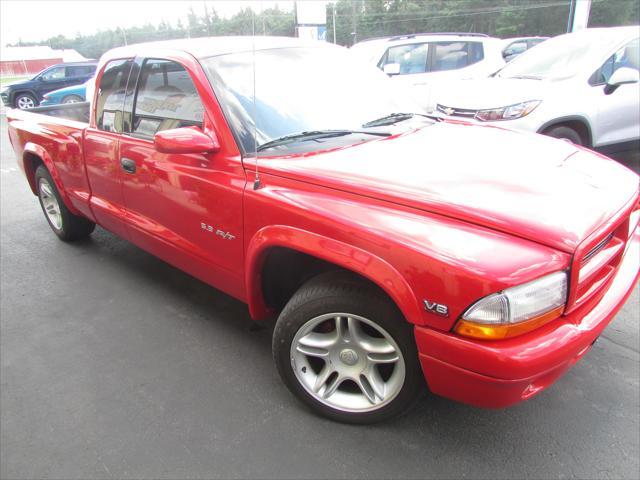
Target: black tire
25,96
565,133
72,227
344,292
72,99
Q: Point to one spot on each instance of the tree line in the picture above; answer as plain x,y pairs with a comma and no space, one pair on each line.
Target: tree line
357,20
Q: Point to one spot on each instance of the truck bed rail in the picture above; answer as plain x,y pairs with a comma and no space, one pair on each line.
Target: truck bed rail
72,111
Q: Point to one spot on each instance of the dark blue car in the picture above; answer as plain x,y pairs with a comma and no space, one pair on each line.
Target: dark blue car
29,93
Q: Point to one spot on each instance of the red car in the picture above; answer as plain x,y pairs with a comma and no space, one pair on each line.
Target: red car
393,248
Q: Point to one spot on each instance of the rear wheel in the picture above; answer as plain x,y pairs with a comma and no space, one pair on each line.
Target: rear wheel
72,99
565,133
25,101
343,348
65,225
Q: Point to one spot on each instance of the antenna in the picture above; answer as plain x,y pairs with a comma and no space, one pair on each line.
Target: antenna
256,183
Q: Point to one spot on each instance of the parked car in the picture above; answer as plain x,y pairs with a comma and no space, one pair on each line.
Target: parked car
422,61
518,45
393,248
29,93
73,94
582,87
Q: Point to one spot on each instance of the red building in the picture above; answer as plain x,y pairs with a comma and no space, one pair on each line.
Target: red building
18,61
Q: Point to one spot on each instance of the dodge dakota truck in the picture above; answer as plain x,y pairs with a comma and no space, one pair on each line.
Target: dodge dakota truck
397,251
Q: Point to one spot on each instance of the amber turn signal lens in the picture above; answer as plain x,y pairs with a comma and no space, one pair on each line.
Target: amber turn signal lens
485,331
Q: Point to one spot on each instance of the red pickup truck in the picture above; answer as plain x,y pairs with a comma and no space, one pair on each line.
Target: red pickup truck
394,248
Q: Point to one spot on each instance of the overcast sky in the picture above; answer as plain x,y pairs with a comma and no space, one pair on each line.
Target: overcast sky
33,20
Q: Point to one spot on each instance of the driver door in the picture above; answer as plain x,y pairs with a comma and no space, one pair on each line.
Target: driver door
51,80
618,116
183,208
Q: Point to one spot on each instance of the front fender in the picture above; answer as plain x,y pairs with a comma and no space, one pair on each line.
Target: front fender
14,94
31,148
341,254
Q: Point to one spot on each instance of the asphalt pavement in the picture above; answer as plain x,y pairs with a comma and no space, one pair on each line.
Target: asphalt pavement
115,365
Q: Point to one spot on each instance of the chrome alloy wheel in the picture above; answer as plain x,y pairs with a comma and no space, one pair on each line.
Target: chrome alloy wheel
25,103
347,362
50,203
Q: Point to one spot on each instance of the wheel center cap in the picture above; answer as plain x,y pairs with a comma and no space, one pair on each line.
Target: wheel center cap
348,356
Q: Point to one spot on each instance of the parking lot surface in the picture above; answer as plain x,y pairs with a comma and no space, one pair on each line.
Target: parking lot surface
116,365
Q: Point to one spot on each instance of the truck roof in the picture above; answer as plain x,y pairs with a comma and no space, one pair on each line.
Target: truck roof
213,46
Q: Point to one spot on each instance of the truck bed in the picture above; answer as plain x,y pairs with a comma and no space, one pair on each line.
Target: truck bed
78,112
54,135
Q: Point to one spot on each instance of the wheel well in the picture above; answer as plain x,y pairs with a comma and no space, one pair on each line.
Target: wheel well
285,270
20,92
31,163
579,126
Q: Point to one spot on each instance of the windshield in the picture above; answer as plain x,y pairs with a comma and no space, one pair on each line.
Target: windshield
558,58
300,90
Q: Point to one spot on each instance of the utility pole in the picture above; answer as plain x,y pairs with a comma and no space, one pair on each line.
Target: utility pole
578,15
206,17
354,23
334,22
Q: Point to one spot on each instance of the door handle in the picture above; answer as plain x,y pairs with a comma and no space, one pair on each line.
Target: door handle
128,165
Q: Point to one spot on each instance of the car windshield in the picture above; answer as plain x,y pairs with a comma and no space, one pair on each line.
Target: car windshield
298,90
559,57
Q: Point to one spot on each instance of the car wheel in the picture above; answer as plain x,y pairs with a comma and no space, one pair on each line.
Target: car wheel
565,133
343,348
24,101
65,225
72,99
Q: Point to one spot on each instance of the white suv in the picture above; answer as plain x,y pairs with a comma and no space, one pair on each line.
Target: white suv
422,61
580,86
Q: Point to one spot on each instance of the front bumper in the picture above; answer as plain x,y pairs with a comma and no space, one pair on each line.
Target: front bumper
5,99
496,374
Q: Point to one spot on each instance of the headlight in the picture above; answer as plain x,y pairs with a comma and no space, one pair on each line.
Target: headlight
516,310
511,112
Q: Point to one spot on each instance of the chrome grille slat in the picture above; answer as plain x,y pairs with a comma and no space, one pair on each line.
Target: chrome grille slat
594,251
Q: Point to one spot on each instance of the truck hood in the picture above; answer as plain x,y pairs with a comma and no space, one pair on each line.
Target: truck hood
491,92
535,187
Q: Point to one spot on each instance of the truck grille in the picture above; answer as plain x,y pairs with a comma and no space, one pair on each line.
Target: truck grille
597,259
595,250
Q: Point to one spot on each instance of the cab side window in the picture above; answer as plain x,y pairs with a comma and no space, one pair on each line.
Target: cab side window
111,92
412,58
80,71
628,56
53,74
166,99
455,55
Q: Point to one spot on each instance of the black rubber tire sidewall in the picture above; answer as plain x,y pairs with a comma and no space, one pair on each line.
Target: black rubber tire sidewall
565,133
73,226
20,95
342,292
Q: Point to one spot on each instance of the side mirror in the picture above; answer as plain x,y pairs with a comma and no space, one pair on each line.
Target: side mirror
185,140
391,69
621,76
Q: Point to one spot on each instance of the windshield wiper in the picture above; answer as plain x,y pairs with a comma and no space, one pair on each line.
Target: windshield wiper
396,118
526,77
315,135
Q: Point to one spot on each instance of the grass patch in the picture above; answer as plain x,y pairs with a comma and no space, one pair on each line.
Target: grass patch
7,80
